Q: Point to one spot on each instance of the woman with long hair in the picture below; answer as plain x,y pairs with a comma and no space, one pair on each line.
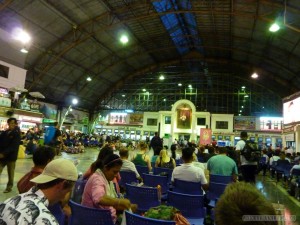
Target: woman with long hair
164,160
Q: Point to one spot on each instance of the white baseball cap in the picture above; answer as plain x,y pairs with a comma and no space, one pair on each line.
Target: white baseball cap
57,168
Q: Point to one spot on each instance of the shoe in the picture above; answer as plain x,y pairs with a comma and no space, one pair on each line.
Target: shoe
7,190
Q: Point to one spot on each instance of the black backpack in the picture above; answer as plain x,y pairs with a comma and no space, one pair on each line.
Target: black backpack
251,151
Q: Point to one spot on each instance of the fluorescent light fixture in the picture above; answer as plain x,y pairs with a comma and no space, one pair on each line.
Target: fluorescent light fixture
274,27
24,50
144,89
190,86
119,114
254,75
180,84
89,79
165,99
124,39
123,95
161,77
74,101
21,35
240,114
246,96
129,110
243,87
242,106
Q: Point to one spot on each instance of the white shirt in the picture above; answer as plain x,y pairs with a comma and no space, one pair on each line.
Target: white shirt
189,172
239,147
274,158
129,166
27,208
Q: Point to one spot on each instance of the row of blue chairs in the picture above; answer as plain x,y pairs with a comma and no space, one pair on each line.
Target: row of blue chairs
92,216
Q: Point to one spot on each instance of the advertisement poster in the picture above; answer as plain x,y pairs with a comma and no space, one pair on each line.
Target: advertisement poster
244,123
136,118
205,136
184,118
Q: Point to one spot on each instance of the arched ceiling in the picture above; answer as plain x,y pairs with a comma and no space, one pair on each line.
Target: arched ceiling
214,45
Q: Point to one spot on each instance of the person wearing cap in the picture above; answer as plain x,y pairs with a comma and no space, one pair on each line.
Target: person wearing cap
52,185
99,191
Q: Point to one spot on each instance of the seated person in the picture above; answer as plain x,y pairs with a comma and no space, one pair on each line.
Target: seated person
142,158
31,146
187,171
222,165
99,191
164,160
154,157
127,165
41,157
238,201
106,150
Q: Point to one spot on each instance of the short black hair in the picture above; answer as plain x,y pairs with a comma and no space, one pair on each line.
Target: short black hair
43,155
244,134
187,153
12,119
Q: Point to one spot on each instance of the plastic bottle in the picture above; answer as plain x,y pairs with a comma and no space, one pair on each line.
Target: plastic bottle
159,192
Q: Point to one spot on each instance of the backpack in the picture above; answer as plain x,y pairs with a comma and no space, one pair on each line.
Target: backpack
49,135
251,151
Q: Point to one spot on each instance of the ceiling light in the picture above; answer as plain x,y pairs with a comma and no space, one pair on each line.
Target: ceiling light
21,35
180,84
241,110
124,39
74,101
240,114
123,95
165,99
161,77
89,79
24,50
274,27
254,75
242,106
243,87
144,89
190,86
246,96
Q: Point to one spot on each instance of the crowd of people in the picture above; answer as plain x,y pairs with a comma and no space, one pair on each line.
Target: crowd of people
51,180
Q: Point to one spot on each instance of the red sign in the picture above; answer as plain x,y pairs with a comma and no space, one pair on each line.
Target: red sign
205,136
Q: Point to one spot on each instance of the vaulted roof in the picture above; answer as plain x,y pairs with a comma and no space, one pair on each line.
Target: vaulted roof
213,45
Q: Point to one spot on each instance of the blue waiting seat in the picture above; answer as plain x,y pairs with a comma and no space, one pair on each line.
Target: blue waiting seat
187,187
154,180
220,179
191,206
144,197
78,190
58,213
163,171
142,169
89,216
134,219
127,177
215,190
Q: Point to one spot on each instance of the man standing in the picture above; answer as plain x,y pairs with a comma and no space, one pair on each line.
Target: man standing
9,147
55,182
248,168
57,142
156,144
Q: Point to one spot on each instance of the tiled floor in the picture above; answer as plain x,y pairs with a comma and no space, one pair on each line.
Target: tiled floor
274,192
